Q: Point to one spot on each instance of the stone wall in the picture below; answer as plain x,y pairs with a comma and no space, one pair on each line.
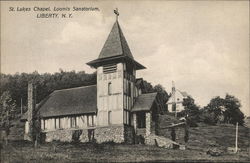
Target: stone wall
179,131
83,135
134,121
148,123
110,133
159,141
152,128
129,134
59,135
86,135
142,133
31,109
117,134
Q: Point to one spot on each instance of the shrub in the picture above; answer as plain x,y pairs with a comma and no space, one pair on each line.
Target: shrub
192,122
208,118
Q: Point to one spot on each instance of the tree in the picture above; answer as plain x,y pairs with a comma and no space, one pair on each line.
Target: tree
190,107
46,83
7,111
215,109
232,112
223,110
162,95
207,117
148,88
191,111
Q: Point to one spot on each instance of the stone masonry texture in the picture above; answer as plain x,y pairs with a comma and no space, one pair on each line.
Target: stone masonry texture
117,134
110,134
59,135
31,108
129,134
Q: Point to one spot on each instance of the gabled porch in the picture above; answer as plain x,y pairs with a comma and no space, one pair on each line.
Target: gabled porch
145,113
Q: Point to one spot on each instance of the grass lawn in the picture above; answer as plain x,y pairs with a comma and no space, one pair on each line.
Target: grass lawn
201,140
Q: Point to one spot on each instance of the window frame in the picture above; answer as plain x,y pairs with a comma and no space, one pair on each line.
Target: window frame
110,117
90,120
109,88
126,117
141,119
56,125
129,89
73,119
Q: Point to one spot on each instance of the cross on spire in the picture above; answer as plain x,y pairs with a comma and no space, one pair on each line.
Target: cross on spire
116,13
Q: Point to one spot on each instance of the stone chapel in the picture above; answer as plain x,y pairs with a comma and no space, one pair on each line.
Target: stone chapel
115,109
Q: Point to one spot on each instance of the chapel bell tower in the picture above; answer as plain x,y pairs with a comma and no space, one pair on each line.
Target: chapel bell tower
116,75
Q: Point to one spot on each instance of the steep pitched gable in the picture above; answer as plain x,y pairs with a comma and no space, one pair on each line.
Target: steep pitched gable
115,44
115,50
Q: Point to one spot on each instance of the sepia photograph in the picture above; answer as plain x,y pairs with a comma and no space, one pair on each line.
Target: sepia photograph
124,81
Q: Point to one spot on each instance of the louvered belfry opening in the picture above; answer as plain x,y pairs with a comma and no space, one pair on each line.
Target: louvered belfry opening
109,68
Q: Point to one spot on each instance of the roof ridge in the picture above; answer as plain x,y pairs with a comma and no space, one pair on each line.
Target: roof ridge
124,44
119,32
66,89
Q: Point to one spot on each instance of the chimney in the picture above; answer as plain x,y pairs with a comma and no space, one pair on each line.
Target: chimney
31,108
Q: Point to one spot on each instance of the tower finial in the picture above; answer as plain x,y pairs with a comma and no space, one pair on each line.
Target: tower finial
116,13
173,85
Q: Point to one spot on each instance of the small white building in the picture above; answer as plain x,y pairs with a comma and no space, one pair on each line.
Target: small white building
175,102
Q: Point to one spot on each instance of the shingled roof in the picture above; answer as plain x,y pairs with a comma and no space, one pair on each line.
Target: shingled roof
115,49
144,102
80,100
115,44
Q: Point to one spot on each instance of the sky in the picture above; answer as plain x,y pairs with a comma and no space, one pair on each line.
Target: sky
203,46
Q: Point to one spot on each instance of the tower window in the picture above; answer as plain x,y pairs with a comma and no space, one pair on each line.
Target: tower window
126,117
129,89
109,88
109,117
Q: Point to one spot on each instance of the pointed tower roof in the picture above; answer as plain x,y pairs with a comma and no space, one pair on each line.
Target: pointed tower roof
115,44
115,49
